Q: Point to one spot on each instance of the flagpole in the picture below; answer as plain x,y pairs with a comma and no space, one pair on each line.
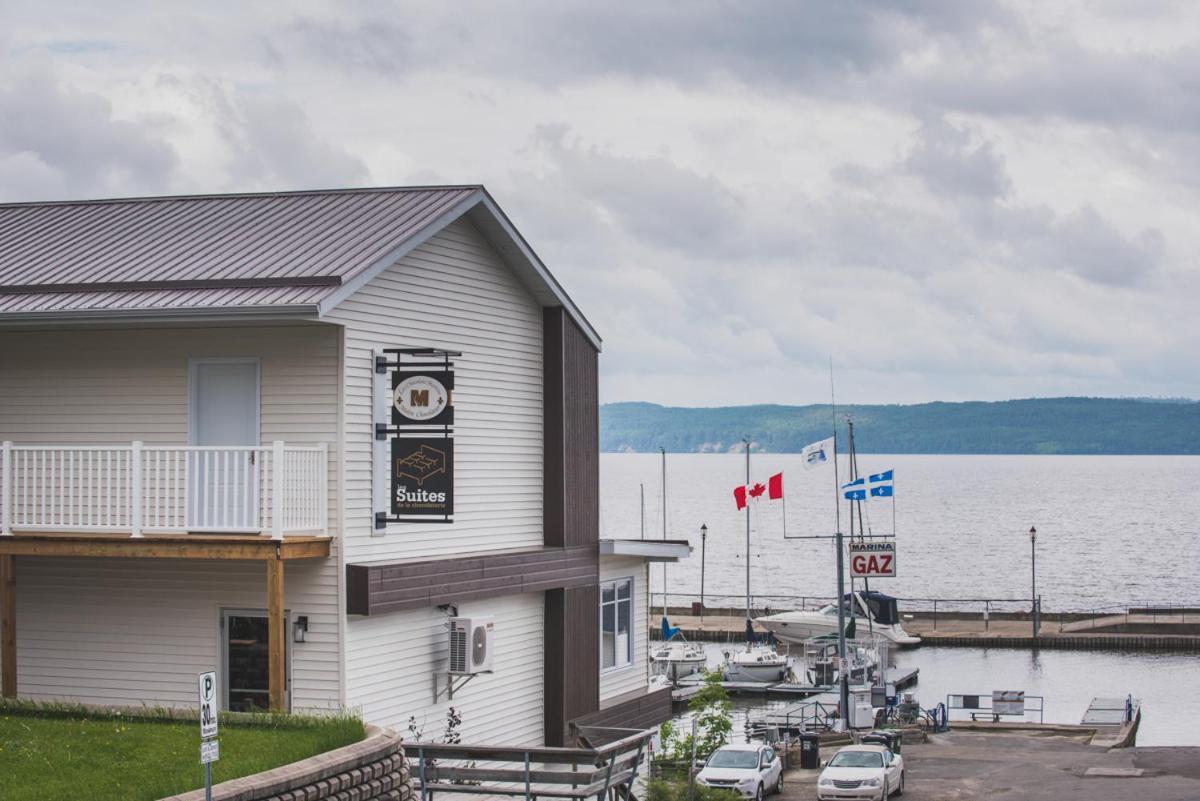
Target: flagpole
783,506
747,442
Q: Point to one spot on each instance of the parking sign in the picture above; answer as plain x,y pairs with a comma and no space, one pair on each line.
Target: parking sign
210,751
208,704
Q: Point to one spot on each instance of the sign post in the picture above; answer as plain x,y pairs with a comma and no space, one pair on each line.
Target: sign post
210,750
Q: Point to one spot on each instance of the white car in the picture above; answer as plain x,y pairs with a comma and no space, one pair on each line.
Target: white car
863,772
751,770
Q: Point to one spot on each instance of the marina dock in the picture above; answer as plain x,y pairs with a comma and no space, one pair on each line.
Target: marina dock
690,685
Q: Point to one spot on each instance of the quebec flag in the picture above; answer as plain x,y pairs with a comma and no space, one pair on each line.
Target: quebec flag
879,485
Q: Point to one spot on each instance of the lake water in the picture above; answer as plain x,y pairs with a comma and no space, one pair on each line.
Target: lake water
1112,530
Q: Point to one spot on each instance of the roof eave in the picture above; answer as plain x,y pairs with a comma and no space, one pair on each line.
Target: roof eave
524,255
649,550
543,273
306,311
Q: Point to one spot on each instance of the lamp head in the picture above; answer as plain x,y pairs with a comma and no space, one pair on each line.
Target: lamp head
1032,533
703,529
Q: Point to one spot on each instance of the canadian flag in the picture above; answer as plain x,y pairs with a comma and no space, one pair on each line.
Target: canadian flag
773,489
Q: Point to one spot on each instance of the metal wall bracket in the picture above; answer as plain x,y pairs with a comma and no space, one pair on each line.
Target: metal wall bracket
451,685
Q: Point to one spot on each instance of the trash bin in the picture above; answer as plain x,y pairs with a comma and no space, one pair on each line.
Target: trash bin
889,739
810,750
697,609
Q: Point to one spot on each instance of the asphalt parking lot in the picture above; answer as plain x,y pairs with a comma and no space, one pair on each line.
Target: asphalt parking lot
1031,765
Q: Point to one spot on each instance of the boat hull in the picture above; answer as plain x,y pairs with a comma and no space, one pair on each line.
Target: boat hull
760,673
676,669
796,627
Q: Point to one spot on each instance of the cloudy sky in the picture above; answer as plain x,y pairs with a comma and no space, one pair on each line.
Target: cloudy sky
952,200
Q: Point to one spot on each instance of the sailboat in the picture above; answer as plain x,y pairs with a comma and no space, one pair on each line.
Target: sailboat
758,662
676,657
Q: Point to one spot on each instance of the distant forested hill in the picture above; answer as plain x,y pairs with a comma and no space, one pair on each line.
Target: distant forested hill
1039,425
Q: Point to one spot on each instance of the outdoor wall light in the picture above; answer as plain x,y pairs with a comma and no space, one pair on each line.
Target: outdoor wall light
300,629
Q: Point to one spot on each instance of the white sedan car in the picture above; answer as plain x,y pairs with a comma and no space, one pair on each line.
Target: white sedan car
751,770
862,772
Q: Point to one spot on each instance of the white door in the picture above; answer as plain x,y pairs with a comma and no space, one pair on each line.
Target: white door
223,419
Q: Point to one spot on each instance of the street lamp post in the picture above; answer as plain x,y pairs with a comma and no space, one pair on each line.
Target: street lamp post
1033,579
703,542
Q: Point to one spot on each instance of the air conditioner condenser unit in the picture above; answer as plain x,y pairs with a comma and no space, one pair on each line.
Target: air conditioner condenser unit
471,645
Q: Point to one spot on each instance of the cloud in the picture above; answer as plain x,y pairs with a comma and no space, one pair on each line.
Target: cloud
955,200
57,141
951,164
272,145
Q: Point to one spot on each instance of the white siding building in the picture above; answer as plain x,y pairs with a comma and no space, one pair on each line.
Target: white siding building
193,464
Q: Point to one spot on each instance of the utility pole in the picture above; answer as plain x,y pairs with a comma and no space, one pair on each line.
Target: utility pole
843,677
703,542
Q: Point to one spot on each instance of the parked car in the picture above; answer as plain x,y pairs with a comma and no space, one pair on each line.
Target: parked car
752,770
862,772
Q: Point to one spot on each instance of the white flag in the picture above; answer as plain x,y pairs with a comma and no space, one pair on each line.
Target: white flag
818,453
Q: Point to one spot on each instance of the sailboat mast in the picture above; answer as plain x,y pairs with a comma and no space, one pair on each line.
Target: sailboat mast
837,486
663,451
843,678
747,533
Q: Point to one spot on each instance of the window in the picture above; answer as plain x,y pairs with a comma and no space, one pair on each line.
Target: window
616,623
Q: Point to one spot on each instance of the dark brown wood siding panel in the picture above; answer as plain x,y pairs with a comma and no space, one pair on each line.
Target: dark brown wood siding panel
581,438
572,658
582,645
554,668
553,523
643,709
376,588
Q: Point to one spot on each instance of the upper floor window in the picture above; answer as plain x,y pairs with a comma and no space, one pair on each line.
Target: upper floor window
616,623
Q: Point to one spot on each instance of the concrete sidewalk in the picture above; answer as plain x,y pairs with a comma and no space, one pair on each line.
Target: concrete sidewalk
1031,765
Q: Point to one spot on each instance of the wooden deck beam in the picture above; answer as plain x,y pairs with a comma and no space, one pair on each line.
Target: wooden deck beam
167,546
8,627
276,667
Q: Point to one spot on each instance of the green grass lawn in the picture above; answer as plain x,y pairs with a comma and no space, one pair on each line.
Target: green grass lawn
77,755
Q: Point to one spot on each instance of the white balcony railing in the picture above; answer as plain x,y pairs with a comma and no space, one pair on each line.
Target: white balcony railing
278,489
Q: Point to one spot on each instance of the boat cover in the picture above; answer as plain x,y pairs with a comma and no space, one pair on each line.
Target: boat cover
883,607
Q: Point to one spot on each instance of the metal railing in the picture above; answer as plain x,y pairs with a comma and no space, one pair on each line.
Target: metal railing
604,772
277,489
984,608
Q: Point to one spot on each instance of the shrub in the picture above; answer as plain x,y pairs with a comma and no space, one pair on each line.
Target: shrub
677,790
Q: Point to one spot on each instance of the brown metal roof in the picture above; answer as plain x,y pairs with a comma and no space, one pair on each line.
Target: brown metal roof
215,251
290,253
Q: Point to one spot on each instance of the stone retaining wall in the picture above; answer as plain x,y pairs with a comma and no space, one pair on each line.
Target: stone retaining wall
371,770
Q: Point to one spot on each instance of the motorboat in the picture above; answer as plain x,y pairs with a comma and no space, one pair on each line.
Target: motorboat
675,657
761,663
872,612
